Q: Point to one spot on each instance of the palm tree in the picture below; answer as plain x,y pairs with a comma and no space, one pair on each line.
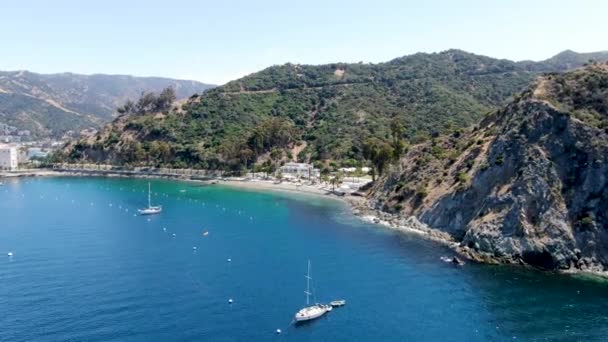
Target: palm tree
336,181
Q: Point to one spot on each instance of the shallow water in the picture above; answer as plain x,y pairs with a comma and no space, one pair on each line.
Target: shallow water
84,268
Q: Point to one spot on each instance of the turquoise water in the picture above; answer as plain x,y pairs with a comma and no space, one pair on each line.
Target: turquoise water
84,268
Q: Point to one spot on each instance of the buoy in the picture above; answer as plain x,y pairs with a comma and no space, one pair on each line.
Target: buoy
278,331
230,301
229,260
174,235
164,229
194,248
10,253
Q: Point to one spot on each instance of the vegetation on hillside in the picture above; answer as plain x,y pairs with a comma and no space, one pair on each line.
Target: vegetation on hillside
334,114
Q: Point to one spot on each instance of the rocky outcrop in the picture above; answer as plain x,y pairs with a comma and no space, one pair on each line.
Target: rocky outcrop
529,185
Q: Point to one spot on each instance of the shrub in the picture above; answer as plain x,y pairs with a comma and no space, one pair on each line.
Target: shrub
586,222
438,152
500,160
462,177
421,191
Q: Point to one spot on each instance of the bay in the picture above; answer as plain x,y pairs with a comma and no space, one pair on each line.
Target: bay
85,267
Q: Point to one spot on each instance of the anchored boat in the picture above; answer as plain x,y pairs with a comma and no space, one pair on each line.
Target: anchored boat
340,302
313,311
150,210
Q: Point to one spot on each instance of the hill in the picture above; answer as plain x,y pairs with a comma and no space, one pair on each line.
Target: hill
528,184
566,60
51,104
319,113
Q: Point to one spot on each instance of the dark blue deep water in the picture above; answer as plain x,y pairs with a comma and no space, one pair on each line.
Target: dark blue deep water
84,268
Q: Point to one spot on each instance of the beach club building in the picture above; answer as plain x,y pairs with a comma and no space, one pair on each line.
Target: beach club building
9,157
299,170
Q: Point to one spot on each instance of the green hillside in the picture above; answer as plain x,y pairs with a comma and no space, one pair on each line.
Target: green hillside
319,113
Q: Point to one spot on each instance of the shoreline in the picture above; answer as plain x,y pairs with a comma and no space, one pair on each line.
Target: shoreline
358,206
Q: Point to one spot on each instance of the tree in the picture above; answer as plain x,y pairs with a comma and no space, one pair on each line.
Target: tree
165,99
397,129
279,175
379,152
383,157
146,103
336,181
127,108
398,144
275,155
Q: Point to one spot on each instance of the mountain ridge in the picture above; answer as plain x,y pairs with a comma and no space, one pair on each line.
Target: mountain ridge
330,108
75,101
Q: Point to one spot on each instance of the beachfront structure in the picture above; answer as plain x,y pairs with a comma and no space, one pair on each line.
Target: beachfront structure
299,170
9,158
364,169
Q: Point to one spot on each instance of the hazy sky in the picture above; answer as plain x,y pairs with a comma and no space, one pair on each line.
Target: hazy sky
216,41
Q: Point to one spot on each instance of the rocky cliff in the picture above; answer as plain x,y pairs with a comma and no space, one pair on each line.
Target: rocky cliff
529,184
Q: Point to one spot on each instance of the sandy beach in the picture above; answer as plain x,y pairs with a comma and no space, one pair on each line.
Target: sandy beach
267,185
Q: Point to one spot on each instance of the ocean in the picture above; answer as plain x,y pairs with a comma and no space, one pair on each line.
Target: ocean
86,267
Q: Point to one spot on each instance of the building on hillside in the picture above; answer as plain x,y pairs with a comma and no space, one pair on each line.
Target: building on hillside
299,170
9,158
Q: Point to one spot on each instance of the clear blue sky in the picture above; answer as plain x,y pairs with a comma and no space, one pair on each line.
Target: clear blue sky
216,41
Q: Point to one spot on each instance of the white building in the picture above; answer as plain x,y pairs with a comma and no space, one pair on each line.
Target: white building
299,170
9,158
364,169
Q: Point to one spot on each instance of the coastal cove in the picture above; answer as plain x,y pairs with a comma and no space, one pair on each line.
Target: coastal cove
84,267
359,206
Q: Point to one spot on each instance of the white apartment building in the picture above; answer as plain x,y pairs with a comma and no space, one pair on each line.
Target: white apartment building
9,158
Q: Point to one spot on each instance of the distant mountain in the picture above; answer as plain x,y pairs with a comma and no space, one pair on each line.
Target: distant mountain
527,185
316,113
50,104
566,60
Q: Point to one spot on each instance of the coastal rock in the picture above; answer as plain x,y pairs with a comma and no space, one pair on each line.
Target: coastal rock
529,185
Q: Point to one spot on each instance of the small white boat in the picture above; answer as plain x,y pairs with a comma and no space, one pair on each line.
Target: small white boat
150,210
314,311
340,302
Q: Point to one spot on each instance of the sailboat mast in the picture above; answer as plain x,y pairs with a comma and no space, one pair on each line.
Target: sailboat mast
308,285
149,200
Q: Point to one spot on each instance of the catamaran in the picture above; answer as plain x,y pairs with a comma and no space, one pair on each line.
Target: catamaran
311,312
150,210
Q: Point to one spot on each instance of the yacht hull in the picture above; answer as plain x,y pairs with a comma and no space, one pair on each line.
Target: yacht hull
311,312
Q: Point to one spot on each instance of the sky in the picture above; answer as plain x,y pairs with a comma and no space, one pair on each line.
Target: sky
217,41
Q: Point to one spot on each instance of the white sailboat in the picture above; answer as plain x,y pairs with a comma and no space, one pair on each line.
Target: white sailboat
150,210
311,311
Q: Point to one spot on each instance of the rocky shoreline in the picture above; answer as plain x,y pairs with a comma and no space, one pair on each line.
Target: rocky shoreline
412,225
